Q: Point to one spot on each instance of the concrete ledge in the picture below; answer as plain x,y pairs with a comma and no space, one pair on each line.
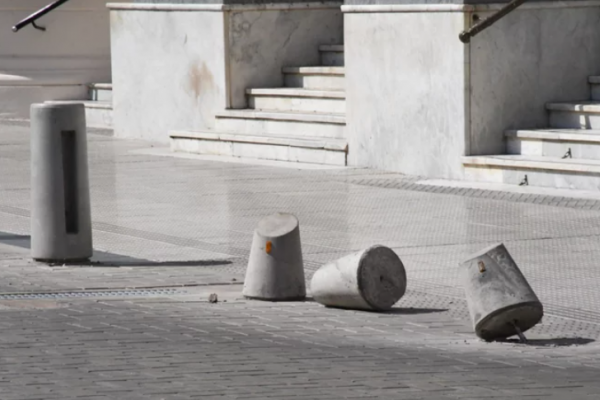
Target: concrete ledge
570,135
292,92
432,8
406,8
581,106
222,7
284,116
307,142
314,70
535,163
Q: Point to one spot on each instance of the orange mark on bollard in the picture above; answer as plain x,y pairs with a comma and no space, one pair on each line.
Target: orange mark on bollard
481,267
269,247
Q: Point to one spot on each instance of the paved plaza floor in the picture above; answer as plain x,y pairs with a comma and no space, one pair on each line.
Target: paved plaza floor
135,322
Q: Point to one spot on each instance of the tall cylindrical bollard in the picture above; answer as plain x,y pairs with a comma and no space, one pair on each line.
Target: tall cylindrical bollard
500,300
372,279
61,228
275,269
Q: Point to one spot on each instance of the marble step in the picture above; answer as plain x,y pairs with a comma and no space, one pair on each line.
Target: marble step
300,100
558,143
322,78
332,55
274,122
98,114
594,82
575,115
312,150
101,92
578,174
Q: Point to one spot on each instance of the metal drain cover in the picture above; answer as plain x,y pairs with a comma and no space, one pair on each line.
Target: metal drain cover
91,293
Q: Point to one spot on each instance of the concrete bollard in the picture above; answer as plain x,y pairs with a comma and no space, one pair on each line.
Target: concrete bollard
500,300
275,268
61,228
372,279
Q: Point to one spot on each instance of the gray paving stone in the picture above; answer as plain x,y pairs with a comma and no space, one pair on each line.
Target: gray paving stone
162,221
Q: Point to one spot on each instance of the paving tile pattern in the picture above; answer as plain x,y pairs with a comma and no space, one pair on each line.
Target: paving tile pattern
172,222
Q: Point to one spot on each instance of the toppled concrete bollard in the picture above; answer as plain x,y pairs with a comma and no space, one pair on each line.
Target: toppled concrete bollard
61,228
500,300
275,269
372,279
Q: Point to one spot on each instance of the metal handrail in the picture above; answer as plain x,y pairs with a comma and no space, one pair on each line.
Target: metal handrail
37,15
465,36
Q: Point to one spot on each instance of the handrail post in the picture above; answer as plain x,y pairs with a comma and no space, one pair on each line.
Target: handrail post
37,15
465,36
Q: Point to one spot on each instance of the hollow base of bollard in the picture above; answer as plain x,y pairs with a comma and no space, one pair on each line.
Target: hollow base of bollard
297,298
501,323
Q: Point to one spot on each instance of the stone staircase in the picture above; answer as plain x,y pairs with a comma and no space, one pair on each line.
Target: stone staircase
98,107
301,122
566,155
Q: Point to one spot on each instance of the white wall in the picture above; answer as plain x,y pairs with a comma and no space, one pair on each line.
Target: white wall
55,64
262,41
176,65
405,91
168,71
418,99
535,55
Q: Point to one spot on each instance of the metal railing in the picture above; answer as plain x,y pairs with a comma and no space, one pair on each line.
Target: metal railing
465,36
37,15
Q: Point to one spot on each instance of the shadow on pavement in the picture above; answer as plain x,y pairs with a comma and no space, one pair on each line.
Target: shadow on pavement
411,310
557,342
106,259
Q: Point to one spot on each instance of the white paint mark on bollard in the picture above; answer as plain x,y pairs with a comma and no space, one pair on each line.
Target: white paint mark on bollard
500,300
372,279
275,269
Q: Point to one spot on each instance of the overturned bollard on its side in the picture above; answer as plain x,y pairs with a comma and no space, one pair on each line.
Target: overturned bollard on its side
275,269
500,300
373,279
61,228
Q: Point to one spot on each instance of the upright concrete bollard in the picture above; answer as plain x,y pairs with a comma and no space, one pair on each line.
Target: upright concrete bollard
500,300
275,269
372,279
61,228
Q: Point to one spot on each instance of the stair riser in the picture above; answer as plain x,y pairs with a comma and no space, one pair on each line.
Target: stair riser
259,151
332,58
101,95
260,126
574,120
99,117
323,82
301,104
536,177
590,151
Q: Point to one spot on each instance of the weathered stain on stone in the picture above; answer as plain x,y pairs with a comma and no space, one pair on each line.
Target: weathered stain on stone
199,79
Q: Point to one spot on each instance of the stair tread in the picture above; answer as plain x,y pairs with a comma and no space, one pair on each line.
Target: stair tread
331,118
331,47
582,106
101,86
314,70
107,105
579,135
338,144
297,92
535,162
